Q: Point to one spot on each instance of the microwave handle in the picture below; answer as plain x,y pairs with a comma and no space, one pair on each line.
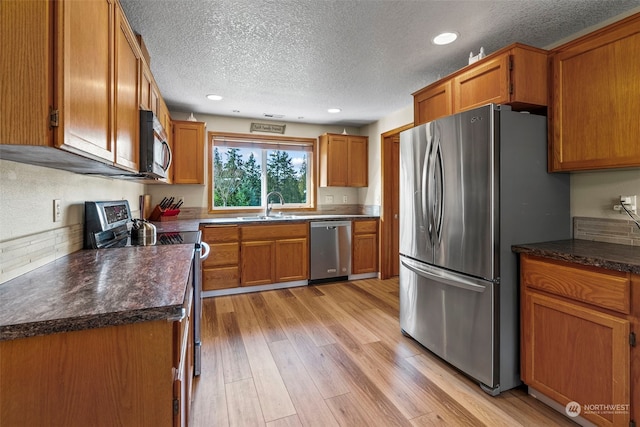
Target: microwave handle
165,146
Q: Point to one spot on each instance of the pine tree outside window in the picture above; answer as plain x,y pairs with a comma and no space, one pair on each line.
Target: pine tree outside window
245,168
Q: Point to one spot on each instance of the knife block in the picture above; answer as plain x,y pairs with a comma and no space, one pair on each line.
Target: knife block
162,215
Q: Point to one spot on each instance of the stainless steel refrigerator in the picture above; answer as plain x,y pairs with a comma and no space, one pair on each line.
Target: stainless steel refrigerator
471,185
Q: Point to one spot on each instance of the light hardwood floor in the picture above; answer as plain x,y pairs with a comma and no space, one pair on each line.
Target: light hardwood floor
333,354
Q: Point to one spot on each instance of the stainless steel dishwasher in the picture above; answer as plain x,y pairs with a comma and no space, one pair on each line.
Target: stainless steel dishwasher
330,251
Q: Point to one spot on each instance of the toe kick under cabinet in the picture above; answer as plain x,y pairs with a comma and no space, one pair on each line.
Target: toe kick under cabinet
579,326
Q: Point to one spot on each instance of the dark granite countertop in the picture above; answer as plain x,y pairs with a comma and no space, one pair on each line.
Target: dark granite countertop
193,224
96,288
586,252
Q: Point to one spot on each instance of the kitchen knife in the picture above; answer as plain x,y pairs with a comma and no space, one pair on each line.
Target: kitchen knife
170,202
161,204
178,204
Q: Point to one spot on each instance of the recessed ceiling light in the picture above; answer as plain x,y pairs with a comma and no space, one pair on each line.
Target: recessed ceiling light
334,110
445,38
214,97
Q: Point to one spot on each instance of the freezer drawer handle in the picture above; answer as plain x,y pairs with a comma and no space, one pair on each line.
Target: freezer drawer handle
443,276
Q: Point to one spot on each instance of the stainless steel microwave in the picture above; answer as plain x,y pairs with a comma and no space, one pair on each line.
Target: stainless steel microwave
155,153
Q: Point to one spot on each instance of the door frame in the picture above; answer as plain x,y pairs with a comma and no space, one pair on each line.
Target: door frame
386,220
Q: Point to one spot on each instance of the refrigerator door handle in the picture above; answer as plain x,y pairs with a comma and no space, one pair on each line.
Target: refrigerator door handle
438,184
426,194
446,277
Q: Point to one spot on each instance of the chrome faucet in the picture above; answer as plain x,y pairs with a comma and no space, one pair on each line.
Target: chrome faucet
267,209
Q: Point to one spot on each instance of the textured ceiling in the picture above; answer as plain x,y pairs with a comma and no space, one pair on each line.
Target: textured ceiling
296,58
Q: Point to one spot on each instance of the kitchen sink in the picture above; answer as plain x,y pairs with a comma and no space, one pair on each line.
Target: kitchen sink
265,218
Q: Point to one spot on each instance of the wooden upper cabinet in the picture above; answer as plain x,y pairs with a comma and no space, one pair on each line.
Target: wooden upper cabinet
188,152
515,75
165,119
485,83
358,156
433,102
76,86
595,100
84,69
127,117
26,28
146,85
344,160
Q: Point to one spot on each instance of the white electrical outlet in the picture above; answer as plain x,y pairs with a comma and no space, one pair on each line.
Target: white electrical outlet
345,198
328,199
629,202
57,211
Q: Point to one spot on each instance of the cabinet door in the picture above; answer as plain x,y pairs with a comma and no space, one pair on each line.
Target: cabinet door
365,254
145,87
165,120
188,152
595,101
358,160
292,260
337,161
257,263
154,96
26,31
127,118
482,84
432,103
573,353
84,62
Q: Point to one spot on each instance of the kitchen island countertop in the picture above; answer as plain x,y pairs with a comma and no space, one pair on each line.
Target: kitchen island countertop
96,288
611,256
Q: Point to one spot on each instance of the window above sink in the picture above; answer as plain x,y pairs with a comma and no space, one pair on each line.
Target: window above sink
245,168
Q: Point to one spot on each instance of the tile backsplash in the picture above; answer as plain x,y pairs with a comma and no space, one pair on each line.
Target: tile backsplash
21,255
621,231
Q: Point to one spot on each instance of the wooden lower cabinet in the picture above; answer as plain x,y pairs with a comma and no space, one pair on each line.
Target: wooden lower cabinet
292,259
365,247
258,263
274,253
576,331
221,269
136,374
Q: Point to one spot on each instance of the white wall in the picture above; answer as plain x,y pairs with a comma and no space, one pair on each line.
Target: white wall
372,194
27,193
593,194
197,195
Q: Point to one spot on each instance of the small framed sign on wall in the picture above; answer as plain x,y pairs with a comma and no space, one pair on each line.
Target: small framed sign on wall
267,127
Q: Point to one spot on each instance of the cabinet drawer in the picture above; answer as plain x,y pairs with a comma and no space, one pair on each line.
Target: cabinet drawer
271,232
222,254
600,287
220,278
220,234
365,227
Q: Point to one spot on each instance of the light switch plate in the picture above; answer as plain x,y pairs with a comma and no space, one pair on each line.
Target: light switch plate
57,211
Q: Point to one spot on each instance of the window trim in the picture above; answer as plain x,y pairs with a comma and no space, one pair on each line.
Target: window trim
265,141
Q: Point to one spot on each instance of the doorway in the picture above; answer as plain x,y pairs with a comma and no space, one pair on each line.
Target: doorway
389,220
